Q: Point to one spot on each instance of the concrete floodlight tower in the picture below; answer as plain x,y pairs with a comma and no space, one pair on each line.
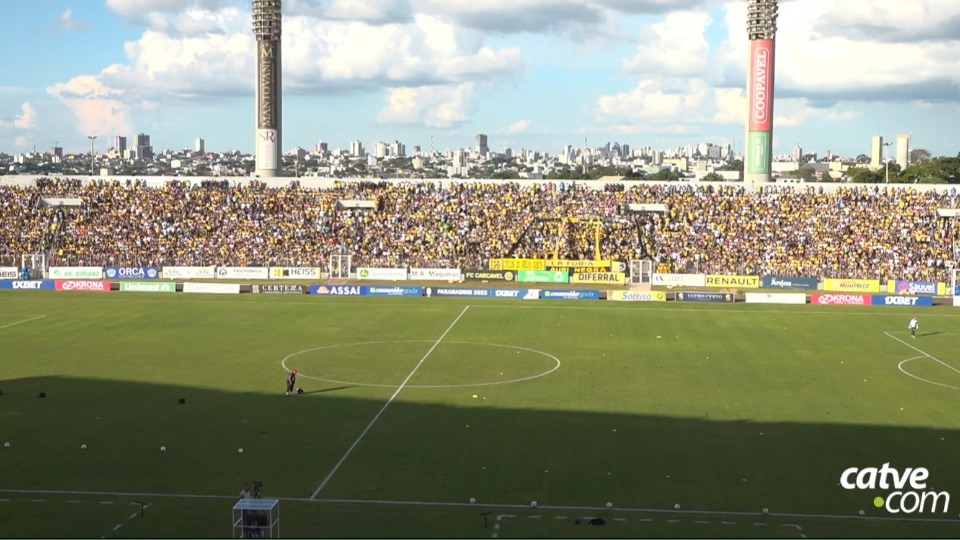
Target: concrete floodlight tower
762,33
266,27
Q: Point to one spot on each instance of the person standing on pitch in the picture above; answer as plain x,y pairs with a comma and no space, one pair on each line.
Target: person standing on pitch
291,382
914,326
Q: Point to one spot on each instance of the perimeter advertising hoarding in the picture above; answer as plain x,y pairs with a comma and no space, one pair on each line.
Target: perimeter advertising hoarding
695,296
852,285
641,296
786,282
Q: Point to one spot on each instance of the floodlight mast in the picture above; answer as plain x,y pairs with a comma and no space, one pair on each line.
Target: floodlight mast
267,29
762,33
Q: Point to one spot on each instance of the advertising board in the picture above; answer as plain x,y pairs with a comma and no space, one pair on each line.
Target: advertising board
776,298
917,287
35,285
151,287
131,272
386,274
569,295
543,276
243,272
515,265
75,272
784,282
435,274
631,296
911,301
9,272
852,285
336,290
83,286
211,288
613,278
489,275
392,291
825,299
292,272
680,280
189,272
280,289
746,282
695,296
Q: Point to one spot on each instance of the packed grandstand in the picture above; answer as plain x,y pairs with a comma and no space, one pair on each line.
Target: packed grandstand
852,232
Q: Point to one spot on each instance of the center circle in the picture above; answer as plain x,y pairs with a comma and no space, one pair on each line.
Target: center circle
556,364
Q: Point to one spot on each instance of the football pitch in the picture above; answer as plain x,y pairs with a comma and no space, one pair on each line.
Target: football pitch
674,420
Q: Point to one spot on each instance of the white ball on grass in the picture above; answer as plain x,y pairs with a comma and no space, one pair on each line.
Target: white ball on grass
473,500
6,445
676,506
609,505
533,504
766,511
239,450
862,512
163,448
83,446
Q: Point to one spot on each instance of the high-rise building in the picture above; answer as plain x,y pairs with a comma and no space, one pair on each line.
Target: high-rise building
903,151
762,33
356,149
199,146
322,148
119,145
798,153
876,152
482,147
267,29
398,149
381,150
144,149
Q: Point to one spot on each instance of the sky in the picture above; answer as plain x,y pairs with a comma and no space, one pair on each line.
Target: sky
535,74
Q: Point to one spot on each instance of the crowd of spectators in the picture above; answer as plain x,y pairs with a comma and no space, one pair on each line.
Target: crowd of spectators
857,232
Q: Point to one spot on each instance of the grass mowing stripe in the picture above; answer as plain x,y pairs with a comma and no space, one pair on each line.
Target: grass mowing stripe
385,405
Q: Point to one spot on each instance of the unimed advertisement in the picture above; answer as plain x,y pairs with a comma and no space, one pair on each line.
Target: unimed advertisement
151,287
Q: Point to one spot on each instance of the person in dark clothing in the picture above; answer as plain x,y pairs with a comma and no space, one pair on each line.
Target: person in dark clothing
291,382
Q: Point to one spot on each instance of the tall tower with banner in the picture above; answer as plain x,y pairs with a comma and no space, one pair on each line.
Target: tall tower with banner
266,28
762,33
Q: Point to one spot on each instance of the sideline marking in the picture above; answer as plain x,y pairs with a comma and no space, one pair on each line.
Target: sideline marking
385,405
439,504
20,322
283,363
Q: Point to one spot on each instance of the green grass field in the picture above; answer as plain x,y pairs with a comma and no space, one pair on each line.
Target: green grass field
415,406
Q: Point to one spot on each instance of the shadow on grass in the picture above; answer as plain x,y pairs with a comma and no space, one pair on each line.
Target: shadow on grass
437,447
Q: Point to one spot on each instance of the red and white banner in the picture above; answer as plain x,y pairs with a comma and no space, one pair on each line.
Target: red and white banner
841,299
87,286
761,85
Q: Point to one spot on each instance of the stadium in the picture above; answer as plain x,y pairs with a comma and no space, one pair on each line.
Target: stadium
479,359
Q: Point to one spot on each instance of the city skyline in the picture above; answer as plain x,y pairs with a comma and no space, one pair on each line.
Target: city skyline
550,74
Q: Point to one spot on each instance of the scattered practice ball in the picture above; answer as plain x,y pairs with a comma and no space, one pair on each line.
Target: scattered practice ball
533,504
239,450
862,512
83,446
6,445
766,511
473,500
163,448
609,505
676,506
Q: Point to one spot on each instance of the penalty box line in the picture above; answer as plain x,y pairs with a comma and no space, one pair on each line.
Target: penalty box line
385,405
925,354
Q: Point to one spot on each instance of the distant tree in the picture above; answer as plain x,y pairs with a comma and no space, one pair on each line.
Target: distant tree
665,174
919,156
863,175
863,159
827,177
713,177
806,173
735,165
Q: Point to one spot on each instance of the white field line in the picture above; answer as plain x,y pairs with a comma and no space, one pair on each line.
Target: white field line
38,317
934,358
133,516
908,374
387,404
439,504
504,304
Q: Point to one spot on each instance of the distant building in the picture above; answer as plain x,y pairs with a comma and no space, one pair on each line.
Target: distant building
199,146
119,145
798,154
381,150
144,149
321,148
398,149
482,148
356,149
876,152
903,151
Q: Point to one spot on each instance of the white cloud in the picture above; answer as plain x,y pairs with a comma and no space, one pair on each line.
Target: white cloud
99,110
21,141
674,46
520,126
370,11
430,106
137,8
27,119
67,22
654,100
